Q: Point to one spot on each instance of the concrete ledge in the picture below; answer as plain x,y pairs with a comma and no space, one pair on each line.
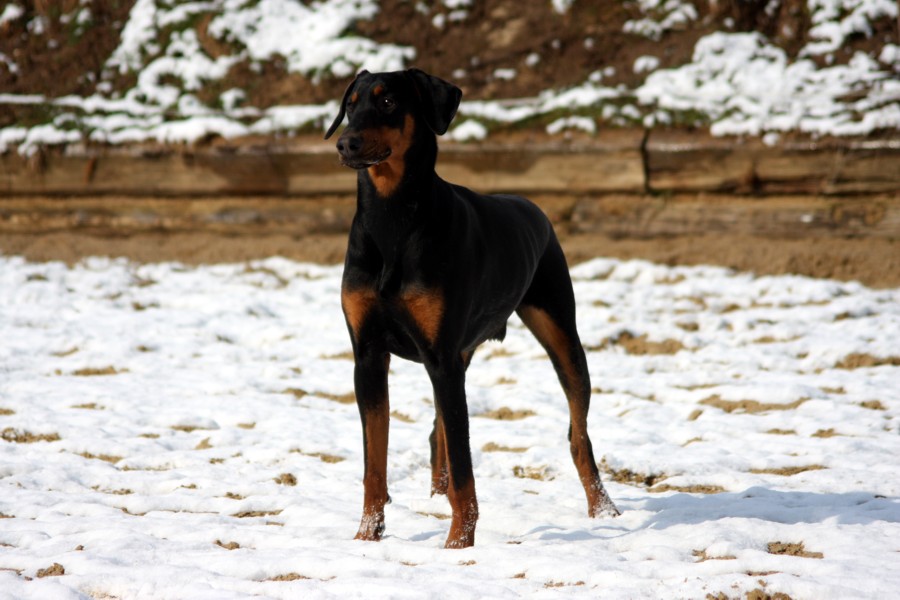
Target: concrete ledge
629,161
309,166
679,161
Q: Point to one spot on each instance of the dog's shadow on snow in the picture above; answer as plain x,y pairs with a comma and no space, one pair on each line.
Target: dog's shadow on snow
759,503
787,507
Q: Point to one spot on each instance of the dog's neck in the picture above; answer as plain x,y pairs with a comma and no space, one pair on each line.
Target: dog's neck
392,219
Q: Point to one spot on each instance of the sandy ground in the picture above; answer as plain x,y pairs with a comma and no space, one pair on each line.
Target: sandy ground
872,261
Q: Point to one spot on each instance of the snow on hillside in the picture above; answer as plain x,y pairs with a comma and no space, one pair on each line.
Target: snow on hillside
737,83
189,432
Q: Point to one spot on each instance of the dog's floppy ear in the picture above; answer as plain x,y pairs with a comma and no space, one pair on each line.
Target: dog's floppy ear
340,117
439,99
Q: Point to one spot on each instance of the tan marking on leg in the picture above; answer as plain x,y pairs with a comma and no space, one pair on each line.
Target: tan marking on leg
386,175
558,345
440,476
426,308
371,524
356,305
552,338
464,504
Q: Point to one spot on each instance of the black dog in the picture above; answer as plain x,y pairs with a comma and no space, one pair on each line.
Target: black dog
432,271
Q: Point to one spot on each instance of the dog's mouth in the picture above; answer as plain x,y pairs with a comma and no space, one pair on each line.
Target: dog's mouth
364,162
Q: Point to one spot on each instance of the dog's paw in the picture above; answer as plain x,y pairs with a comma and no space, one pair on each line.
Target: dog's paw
603,506
371,528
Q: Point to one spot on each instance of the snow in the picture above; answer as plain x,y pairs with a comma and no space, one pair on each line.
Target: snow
11,12
661,16
833,21
170,409
735,83
747,86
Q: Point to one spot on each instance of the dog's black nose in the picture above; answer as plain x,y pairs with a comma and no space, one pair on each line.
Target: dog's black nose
349,145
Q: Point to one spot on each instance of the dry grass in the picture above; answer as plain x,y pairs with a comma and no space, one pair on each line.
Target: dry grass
323,456
791,549
26,437
54,570
286,479
104,457
697,488
861,361
507,414
639,345
702,556
787,471
98,372
492,447
629,477
536,473
749,406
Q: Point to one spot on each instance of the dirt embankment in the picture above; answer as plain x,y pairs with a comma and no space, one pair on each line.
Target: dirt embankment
874,262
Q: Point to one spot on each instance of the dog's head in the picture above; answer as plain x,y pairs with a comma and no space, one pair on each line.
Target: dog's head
385,110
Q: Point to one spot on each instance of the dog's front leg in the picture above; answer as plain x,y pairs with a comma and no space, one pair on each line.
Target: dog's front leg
448,377
370,382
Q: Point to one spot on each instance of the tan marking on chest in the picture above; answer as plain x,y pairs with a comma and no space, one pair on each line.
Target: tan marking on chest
356,305
427,309
386,175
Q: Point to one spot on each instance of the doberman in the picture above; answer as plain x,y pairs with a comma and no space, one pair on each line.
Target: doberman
433,270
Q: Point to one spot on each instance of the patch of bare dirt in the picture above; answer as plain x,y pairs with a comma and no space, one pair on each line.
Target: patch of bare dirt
788,471
323,456
507,414
537,473
749,406
791,549
862,361
629,477
104,457
288,577
640,345
54,570
227,545
702,556
286,479
97,371
26,437
492,447
872,261
698,488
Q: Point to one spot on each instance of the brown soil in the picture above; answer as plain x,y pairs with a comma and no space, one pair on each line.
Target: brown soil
640,345
861,361
25,437
749,406
495,34
792,549
873,261
787,471
55,570
492,447
688,489
507,414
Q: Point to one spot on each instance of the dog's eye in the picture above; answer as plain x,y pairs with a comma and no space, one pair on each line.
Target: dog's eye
387,103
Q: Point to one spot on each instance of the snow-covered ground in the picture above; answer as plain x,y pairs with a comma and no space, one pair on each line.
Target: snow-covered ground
189,432
736,83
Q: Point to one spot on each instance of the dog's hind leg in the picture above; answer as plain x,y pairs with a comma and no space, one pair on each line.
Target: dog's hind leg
440,476
448,377
548,310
